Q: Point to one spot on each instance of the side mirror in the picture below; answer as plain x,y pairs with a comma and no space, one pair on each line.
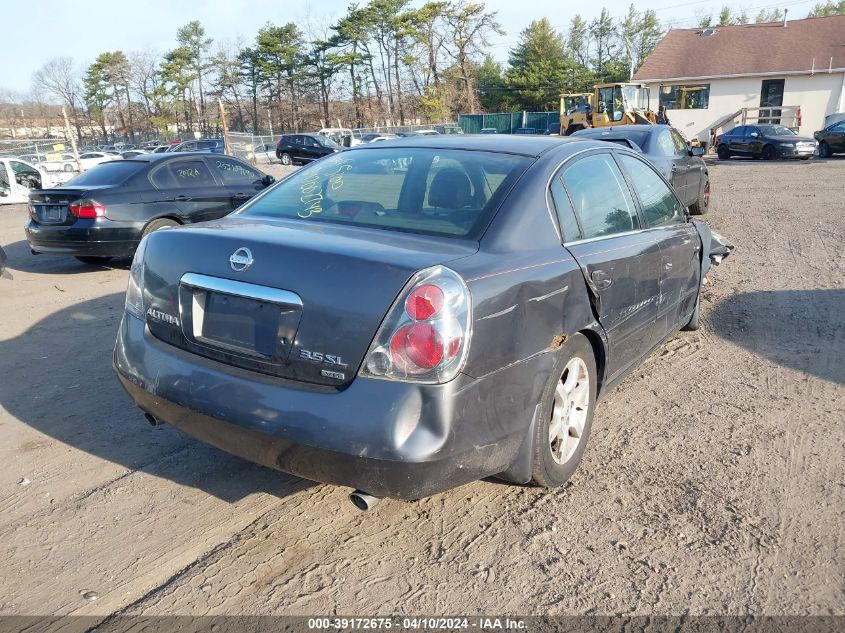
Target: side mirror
268,180
754,135
696,151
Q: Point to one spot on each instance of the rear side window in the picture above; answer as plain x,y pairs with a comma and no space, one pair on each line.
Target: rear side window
183,173
234,173
666,144
601,198
417,190
660,206
565,212
681,148
111,173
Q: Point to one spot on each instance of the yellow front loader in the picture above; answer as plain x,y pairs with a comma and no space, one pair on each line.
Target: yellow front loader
608,104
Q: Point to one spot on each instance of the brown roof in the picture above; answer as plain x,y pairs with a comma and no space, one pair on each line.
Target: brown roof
748,49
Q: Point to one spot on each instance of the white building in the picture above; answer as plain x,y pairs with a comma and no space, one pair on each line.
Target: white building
702,76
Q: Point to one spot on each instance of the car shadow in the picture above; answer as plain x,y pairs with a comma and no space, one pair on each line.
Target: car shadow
798,329
23,260
57,377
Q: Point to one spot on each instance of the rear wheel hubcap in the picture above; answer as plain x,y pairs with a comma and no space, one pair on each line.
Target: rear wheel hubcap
569,413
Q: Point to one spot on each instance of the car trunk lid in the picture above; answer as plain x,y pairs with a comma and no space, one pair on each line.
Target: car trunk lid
292,299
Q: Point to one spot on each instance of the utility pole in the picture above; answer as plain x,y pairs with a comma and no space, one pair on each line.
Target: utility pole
69,135
225,126
270,121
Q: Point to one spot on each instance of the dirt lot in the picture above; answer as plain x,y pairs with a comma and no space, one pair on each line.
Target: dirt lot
714,482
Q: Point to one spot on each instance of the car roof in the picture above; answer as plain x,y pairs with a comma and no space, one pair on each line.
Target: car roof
619,130
163,156
504,143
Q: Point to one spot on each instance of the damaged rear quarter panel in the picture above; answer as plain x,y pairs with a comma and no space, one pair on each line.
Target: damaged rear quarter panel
527,289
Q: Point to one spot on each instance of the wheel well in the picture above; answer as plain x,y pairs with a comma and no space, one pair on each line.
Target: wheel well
164,217
599,354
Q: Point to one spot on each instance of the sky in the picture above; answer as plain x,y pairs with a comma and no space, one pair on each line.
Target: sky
82,29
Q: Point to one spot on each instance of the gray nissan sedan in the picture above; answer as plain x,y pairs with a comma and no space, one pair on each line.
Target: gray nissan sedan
405,317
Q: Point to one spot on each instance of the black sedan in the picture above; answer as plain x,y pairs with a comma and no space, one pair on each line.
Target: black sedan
764,141
104,212
667,150
405,317
831,139
299,149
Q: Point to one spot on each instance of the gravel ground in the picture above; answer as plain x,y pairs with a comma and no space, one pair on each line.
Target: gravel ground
714,482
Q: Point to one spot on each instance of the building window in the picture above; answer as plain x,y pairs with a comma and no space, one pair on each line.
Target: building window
687,97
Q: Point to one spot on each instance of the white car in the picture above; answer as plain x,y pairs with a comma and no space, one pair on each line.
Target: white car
263,154
18,177
65,162
340,135
92,159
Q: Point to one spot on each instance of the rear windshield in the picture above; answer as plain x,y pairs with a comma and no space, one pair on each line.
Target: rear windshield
429,191
111,173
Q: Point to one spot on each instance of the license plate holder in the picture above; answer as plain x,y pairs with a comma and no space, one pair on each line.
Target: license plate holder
237,323
52,213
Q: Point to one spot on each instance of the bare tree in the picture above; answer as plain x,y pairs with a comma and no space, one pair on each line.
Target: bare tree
60,78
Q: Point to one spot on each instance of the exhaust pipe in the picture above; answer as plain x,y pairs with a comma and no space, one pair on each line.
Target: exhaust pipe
363,501
153,420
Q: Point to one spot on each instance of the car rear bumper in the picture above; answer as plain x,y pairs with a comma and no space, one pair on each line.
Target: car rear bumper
389,439
85,238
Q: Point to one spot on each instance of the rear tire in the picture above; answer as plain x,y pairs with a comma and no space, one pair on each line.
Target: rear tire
566,414
702,203
768,152
723,152
161,223
93,261
824,150
286,159
68,167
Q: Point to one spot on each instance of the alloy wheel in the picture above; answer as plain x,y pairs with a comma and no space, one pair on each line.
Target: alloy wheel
569,413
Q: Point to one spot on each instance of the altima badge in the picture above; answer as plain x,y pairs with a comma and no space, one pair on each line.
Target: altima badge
241,259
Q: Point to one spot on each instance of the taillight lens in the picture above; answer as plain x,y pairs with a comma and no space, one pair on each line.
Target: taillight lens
424,302
425,336
86,208
135,288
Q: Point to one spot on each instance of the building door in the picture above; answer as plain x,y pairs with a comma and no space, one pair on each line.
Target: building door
771,95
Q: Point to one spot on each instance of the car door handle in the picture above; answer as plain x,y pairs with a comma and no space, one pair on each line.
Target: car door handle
600,279
181,198
241,196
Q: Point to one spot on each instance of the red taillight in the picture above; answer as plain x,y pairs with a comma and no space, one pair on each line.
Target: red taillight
425,335
416,346
87,209
424,302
